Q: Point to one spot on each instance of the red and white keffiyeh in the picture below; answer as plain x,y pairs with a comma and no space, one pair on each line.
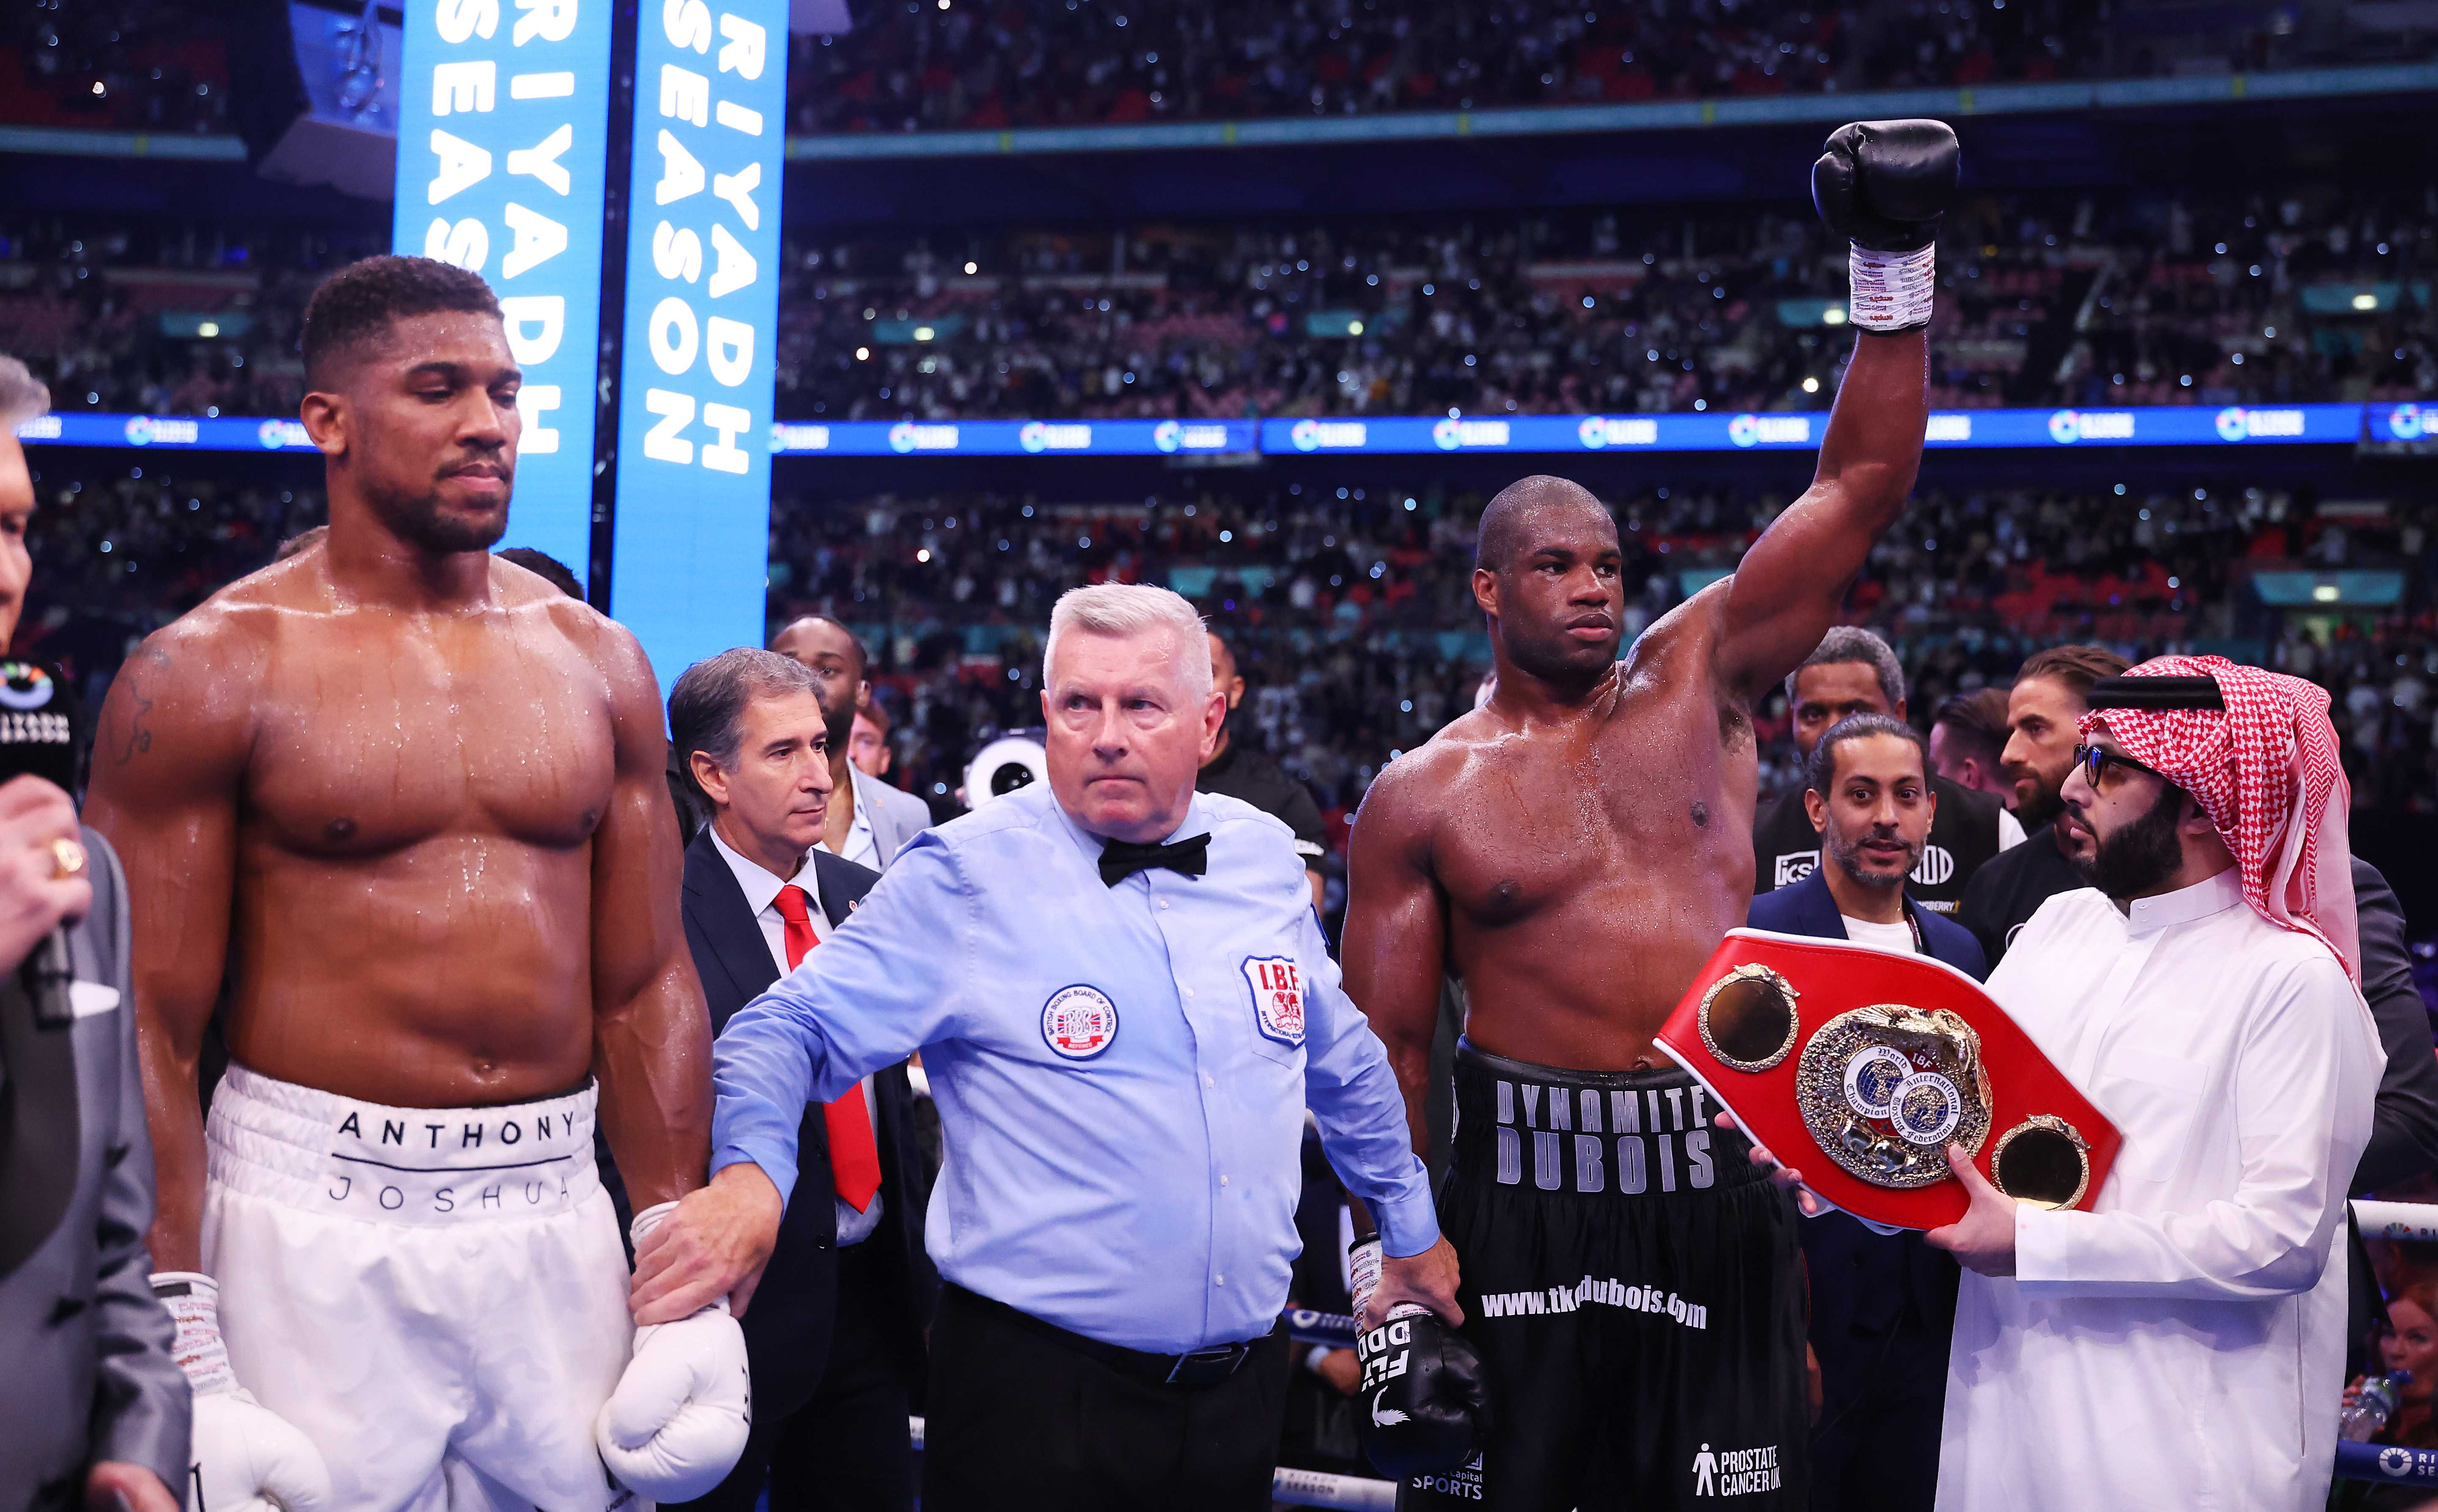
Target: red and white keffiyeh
2265,771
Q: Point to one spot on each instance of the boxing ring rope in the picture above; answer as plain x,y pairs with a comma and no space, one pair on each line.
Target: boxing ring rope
2387,1464
2405,1220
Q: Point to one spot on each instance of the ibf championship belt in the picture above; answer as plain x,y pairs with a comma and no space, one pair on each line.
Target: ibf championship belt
1860,1067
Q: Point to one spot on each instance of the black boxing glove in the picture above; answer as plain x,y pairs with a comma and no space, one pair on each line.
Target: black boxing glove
1884,185
1423,1404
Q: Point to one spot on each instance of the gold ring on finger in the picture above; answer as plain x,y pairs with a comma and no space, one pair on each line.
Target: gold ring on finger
67,859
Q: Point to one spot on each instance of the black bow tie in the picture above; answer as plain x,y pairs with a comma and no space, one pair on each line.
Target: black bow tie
1121,859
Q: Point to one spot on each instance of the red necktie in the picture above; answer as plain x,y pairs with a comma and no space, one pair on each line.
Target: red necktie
854,1162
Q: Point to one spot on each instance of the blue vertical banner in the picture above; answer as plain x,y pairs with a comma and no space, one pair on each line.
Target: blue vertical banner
503,157
692,532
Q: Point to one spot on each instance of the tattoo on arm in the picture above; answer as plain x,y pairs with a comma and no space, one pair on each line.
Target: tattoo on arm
138,673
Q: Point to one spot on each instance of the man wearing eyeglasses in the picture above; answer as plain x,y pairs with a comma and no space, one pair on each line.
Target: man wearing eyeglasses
2184,1335
2050,694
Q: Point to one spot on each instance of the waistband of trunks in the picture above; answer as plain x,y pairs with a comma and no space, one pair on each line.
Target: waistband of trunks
322,1152
1629,1133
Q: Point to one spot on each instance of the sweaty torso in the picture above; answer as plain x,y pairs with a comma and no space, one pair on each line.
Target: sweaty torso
1589,868
411,917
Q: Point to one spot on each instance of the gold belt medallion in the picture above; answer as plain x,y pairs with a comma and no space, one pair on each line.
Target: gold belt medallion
1885,1089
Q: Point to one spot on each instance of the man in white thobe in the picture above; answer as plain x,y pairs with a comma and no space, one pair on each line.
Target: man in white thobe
2182,1343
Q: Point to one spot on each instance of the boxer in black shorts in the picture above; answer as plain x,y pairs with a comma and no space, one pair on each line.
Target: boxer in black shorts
1573,849
1631,1283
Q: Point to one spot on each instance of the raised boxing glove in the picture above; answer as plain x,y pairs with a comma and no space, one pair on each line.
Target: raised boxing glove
1423,1401
1884,185
244,1456
675,1425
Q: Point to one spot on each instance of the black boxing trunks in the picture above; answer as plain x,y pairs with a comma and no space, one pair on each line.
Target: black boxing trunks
1633,1285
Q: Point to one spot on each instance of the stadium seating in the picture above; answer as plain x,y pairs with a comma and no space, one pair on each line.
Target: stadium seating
2290,294
911,66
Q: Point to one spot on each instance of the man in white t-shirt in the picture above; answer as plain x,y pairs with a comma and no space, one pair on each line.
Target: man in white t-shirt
1883,1305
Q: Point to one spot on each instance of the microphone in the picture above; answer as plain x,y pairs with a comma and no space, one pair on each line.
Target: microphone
46,975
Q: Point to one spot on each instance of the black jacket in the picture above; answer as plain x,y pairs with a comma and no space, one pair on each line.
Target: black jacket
1868,1288
2404,1122
2004,895
788,1323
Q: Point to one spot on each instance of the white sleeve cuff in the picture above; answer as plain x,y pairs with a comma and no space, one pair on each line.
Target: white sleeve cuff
2044,1243
1408,1226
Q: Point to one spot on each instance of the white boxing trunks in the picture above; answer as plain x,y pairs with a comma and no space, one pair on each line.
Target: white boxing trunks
435,1297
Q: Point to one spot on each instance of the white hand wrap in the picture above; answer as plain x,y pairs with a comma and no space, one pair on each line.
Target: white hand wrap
1891,290
1364,1264
1363,1274
675,1425
247,1458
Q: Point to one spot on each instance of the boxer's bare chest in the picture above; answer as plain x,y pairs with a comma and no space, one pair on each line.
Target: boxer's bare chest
1658,793
379,732
1586,877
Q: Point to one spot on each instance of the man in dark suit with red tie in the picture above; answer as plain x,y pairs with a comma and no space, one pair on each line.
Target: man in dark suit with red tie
833,1332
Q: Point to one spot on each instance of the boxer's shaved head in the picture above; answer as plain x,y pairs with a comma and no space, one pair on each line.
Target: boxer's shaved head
1507,520
356,309
1545,570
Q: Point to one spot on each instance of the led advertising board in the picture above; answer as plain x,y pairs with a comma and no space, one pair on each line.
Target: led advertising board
502,153
692,533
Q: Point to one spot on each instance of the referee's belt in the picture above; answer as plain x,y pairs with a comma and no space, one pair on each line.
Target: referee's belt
1195,1367
1861,1068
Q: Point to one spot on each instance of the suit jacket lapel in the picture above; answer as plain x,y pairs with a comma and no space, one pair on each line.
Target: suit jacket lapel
883,824
1819,906
719,908
39,1137
842,885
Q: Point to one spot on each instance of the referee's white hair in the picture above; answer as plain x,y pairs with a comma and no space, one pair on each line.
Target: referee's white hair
1129,610
22,396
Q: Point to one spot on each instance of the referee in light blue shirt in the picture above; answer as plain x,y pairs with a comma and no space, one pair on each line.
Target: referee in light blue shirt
1124,1005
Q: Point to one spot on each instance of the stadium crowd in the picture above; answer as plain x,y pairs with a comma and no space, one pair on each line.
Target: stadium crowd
2139,300
1350,612
909,65
142,65
2296,294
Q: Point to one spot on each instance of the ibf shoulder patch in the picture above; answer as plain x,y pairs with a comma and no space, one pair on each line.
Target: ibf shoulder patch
1278,997
1079,1021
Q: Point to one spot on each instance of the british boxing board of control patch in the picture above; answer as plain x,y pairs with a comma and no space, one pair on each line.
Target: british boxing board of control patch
1079,1021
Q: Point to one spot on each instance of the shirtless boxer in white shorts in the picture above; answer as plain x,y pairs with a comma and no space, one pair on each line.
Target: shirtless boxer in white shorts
409,799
